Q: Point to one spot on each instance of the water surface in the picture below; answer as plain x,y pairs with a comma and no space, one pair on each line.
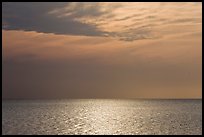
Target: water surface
102,116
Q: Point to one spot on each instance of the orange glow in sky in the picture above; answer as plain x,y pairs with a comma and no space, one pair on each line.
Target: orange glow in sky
102,50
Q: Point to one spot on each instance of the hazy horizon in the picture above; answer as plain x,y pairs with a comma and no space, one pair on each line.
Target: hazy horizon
102,98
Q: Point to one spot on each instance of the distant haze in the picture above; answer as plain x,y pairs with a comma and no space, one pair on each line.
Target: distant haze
102,50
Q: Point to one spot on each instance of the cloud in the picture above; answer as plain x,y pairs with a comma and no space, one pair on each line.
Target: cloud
35,17
77,10
123,21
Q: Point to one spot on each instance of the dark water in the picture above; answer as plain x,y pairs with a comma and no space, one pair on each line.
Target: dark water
102,116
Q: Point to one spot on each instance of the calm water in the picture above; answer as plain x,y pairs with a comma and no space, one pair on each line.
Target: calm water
102,116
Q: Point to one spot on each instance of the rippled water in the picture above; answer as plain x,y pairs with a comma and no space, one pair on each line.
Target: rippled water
102,116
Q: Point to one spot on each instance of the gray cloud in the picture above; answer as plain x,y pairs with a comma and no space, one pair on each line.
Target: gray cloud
66,18
35,17
59,18
83,9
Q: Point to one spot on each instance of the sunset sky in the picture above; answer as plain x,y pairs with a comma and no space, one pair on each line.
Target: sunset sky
102,50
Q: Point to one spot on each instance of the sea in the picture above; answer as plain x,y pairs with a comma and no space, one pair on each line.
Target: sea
102,117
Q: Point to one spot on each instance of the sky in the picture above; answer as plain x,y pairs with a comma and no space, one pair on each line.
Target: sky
101,50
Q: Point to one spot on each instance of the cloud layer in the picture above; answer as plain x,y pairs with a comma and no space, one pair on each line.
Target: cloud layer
123,21
36,17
